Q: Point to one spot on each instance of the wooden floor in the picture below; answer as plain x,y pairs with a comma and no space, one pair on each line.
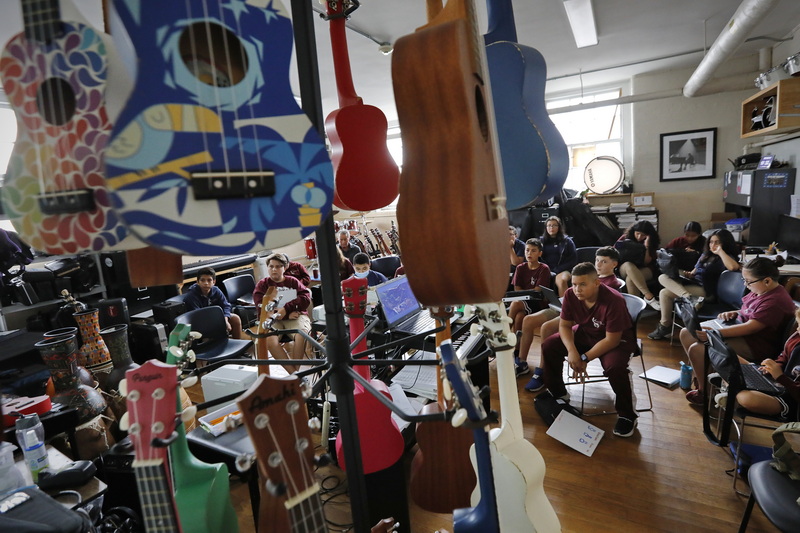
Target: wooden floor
667,477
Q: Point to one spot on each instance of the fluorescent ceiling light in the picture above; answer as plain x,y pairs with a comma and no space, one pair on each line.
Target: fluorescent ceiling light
581,20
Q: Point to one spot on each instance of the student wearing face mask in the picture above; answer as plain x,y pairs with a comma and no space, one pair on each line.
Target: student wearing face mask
361,264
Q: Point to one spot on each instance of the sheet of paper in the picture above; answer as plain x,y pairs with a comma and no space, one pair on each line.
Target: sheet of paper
576,433
404,403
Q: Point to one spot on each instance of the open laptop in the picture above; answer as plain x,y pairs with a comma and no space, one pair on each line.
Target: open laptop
401,309
551,297
691,321
741,376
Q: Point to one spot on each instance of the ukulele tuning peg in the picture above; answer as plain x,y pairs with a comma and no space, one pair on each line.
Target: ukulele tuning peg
447,392
124,422
322,460
511,339
194,335
191,356
275,489
315,424
468,311
176,352
244,461
188,414
507,319
474,329
123,387
459,418
188,382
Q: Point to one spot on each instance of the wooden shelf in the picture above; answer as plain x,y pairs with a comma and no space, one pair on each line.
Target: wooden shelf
785,110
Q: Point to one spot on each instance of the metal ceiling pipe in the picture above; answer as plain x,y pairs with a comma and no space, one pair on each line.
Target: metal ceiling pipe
747,16
764,59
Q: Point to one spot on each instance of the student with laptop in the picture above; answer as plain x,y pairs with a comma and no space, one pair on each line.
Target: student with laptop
784,370
595,324
719,255
639,270
529,275
605,262
765,312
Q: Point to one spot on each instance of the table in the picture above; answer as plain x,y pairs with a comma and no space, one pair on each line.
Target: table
785,270
92,489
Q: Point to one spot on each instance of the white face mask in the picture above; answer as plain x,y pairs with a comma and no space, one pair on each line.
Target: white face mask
361,275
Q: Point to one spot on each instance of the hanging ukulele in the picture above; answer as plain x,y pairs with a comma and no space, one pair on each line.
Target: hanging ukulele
366,176
55,75
451,194
535,157
211,155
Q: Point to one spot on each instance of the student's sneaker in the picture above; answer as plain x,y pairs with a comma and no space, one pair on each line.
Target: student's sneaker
536,382
661,332
695,397
696,301
520,367
654,303
624,427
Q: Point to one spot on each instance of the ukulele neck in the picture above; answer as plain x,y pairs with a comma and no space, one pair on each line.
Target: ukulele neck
341,58
42,20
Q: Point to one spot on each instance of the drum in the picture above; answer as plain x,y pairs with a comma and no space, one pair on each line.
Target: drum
311,248
772,76
351,225
603,174
792,65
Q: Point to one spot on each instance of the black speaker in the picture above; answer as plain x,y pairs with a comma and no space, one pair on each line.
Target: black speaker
115,469
166,312
147,341
113,311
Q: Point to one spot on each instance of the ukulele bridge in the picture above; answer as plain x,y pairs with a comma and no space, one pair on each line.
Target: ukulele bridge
244,184
66,202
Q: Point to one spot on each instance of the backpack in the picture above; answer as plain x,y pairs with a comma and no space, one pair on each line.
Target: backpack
630,252
667,263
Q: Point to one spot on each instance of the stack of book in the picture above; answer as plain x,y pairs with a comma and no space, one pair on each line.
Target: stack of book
618,207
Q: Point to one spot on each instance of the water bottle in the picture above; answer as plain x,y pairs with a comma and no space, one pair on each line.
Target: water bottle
686,376
30,435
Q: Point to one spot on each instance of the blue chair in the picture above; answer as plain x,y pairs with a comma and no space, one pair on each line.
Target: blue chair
214,345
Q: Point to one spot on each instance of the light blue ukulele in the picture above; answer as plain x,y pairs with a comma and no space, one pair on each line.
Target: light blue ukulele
211,154
535,157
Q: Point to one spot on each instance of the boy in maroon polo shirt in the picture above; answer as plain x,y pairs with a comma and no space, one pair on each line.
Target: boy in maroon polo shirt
595,324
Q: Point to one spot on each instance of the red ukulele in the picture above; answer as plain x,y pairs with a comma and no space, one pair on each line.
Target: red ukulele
366,177
379,437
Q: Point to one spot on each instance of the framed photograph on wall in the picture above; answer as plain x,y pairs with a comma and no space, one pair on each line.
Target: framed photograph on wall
689,155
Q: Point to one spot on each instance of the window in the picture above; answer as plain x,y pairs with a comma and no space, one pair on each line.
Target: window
588,133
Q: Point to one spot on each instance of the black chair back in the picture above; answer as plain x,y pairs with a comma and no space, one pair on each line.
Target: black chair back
209,321
386,265
730,288
239,289
586,254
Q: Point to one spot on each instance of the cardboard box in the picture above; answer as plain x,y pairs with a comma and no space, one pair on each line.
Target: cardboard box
641,199
227,379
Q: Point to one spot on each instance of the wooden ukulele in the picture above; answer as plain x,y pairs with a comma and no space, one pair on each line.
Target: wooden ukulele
382,246
366,176
519,467
211,154
55,75
441,477
450,191
270,303
152,397
380,439
535,157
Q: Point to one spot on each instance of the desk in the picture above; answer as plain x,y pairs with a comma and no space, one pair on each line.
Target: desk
785,270
225,449
89,491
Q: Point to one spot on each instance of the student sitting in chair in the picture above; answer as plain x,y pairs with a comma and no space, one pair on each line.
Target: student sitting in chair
765,312
606,260
361,265
529,275
205,293
786,371
291,314
595,324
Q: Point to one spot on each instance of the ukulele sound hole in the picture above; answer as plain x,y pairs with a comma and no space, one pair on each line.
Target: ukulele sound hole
213,54
55,101
480,110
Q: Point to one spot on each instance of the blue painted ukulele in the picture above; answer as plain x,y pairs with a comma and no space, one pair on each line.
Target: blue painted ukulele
211,154
483,517
535,158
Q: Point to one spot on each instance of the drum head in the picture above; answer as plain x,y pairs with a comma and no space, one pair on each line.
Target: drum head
603,174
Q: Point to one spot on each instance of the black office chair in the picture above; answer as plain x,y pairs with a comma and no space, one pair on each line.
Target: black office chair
730,290
215,345
239,290
777,496
386,265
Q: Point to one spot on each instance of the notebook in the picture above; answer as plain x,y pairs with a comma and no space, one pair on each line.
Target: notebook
551,298
741,376
667,377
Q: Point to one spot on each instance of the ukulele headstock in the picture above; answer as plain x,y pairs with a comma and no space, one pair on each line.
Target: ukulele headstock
354,292
151,393
494,324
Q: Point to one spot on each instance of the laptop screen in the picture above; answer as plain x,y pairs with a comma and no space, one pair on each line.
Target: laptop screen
397,300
